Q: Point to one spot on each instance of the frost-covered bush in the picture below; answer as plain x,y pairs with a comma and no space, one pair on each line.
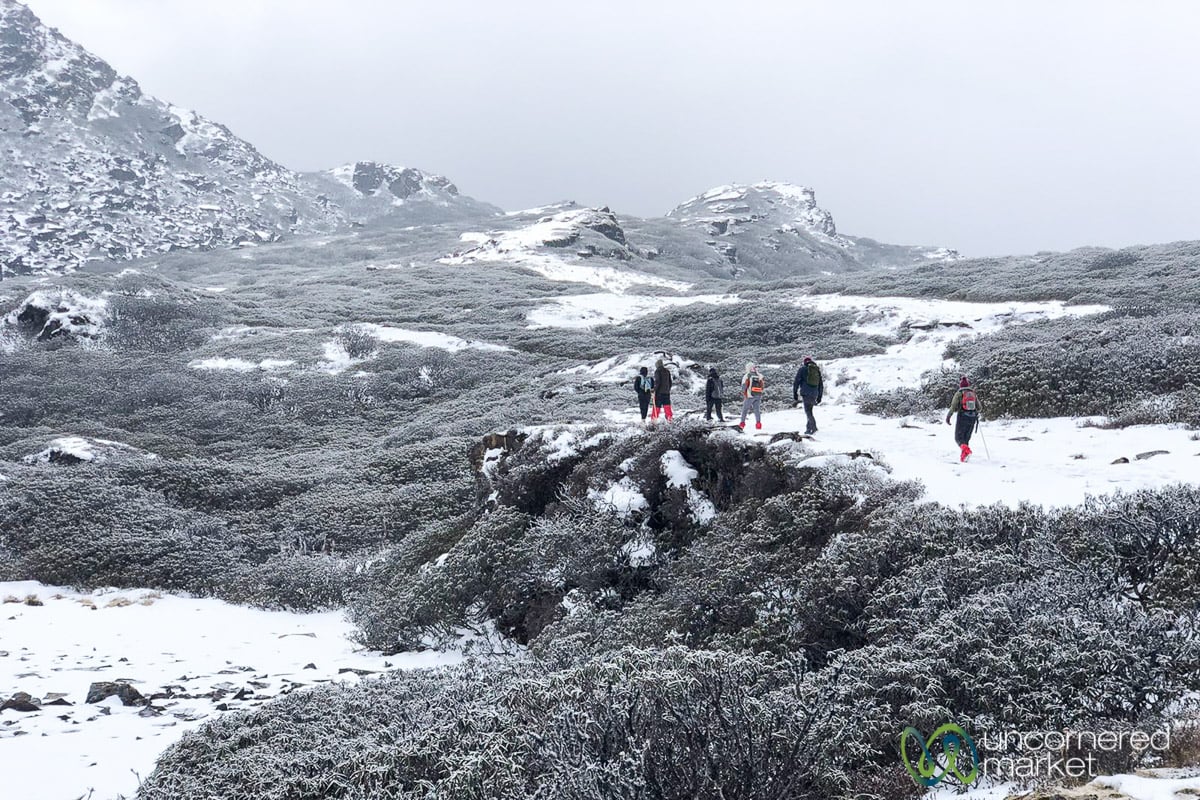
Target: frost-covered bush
899,402
292,582
670,724
1077,366
158,322
70,529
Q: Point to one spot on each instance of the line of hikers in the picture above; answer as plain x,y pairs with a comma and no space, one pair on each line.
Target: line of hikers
654,393
808,388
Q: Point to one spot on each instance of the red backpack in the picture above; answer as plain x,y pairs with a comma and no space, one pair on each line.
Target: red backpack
968,399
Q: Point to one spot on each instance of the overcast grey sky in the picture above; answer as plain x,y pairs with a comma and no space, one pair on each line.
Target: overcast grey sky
993,128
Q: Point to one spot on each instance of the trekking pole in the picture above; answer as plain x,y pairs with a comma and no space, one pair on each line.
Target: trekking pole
982,438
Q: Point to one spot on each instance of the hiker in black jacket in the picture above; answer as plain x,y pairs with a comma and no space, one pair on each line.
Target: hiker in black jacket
643,384
662,391
809,386
714,394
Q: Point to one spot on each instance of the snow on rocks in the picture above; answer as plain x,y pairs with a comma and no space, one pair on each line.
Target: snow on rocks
51,313
193,659
796,203
78,450
587,231
680,475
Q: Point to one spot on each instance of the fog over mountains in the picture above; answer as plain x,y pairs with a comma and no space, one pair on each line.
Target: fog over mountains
95,169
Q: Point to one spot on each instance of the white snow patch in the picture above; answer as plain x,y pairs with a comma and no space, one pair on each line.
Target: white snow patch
105,105
525,247
241,364
934,324
443,341
623,497
1140,787
610,308
75,446
678,472
680,475
195,646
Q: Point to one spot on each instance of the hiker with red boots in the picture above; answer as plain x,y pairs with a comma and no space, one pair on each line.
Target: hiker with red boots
967,406
662,391
753,387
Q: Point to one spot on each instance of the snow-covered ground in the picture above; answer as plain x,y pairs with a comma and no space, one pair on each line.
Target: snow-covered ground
610,308
203,656
933,325
527,247
442,341
1053,462
1153,784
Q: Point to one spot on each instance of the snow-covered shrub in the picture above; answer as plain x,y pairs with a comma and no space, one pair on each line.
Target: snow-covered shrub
159,322
291,582
358,342
899,402
1143,546
1077,366
671,724
71,529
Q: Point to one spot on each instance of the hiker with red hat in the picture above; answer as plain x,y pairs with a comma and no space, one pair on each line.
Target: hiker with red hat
810,386
967,406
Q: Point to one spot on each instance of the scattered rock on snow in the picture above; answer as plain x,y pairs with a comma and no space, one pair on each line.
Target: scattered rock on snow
21,701
1020,439
1121,460
1151,454
127,694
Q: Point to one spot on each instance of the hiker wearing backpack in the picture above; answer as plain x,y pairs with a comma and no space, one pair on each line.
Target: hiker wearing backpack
967,406
643,384
753,387
809,386
662,391
714,394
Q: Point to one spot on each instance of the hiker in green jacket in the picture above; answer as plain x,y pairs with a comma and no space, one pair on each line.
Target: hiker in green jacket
967,406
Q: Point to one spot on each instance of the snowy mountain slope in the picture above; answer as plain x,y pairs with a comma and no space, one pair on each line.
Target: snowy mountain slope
771,229
95,169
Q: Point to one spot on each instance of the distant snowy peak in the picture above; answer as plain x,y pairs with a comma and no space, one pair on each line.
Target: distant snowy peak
772,229
371,179
367,191
791,207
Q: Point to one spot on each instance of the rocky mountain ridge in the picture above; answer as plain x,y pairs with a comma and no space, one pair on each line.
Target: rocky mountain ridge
94,169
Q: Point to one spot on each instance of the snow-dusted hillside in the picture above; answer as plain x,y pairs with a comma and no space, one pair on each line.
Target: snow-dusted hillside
772,229
93,168
367,190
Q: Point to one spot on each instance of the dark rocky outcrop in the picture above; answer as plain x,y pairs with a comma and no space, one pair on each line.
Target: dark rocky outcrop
127,694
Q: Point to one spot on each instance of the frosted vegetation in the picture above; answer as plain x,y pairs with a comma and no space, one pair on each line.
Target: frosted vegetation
300,427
